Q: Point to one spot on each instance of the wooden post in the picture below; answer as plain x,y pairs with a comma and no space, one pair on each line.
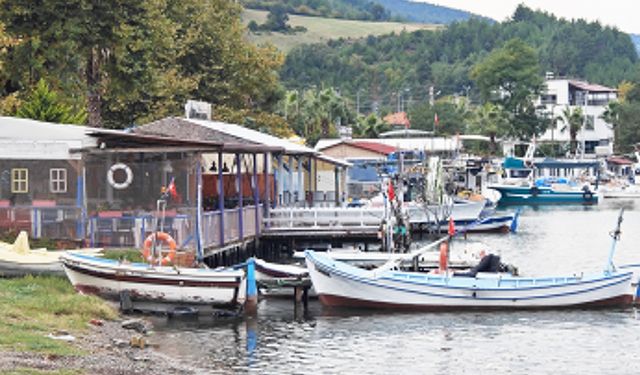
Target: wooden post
221,197
256,193
240,197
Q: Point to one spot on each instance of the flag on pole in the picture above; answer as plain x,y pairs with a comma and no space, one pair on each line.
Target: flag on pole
391,192
173,191
436,121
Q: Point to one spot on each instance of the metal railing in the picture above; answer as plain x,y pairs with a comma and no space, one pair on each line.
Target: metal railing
323,217
58,222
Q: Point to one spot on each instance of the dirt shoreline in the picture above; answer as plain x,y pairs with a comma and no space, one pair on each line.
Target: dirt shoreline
108,352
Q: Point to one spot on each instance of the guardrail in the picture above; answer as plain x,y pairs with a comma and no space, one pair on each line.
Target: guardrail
323,217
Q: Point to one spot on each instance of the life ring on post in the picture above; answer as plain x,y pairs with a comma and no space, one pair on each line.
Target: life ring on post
168,240
119,184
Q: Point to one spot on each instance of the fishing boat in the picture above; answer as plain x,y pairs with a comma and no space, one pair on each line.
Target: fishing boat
511,194
155,287
340,284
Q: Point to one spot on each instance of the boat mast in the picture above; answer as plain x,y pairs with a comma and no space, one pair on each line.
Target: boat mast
615,235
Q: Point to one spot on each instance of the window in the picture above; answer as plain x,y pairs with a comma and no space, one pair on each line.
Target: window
19,180
58,180
589,123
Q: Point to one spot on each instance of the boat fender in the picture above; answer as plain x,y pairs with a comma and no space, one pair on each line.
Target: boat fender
167,239
587,195
535,191
123,184
444,257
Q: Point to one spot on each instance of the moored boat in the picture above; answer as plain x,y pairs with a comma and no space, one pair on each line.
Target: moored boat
340,284
157,287
543,195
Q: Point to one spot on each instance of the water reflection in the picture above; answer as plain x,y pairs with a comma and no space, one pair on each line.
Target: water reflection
556,240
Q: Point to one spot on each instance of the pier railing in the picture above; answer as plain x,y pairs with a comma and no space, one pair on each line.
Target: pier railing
296,218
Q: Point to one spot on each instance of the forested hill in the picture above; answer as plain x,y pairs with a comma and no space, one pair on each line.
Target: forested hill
424,12
411,62
370,10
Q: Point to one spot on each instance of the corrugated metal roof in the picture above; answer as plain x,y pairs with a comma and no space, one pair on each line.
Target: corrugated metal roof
254,136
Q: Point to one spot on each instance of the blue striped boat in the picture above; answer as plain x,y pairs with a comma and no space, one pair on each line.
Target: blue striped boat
340,284
543,195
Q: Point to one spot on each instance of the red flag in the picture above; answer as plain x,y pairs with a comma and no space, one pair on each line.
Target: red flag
173,191
435,119
391,192
452,227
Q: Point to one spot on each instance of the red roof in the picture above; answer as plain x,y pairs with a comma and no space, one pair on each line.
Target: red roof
619,160
374,147
399,118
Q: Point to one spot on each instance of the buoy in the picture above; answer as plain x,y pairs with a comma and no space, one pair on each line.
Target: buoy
122,184
166,238
444,257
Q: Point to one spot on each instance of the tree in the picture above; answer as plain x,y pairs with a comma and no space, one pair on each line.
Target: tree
452,116
277,18
370,126
44,105
133,61
491,120
510,76
573,120
315,114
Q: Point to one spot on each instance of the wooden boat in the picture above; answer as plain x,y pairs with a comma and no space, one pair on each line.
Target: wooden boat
155,288
340,284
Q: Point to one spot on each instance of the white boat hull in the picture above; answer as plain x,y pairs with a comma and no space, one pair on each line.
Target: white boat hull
16,269
338,284
164,285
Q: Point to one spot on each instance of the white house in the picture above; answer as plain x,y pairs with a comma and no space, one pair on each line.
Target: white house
596,136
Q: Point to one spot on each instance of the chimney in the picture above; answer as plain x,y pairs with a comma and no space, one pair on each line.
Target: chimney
197,110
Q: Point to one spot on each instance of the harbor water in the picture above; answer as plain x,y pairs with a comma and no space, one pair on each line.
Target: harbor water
556,240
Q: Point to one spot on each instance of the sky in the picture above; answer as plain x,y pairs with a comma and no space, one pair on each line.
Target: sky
624,14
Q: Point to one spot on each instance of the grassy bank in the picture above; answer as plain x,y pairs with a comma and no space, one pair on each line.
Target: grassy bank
33,307
320,30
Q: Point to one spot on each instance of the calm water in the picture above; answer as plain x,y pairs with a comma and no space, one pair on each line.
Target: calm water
551,240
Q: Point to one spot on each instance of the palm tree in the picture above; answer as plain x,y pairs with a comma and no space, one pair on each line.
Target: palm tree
370,126
573,120
611,116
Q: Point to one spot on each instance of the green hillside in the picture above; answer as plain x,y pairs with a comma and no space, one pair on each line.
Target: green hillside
321,30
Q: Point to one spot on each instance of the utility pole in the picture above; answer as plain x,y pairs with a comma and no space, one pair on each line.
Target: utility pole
358,103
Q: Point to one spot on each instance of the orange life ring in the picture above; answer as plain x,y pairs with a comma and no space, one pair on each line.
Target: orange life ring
444,257
167,239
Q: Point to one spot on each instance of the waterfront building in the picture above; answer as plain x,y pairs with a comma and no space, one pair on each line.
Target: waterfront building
596,136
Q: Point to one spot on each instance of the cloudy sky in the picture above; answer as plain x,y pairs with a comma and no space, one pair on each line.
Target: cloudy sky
625,14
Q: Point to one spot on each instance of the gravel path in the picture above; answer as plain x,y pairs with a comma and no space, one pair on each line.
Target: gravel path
109,353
